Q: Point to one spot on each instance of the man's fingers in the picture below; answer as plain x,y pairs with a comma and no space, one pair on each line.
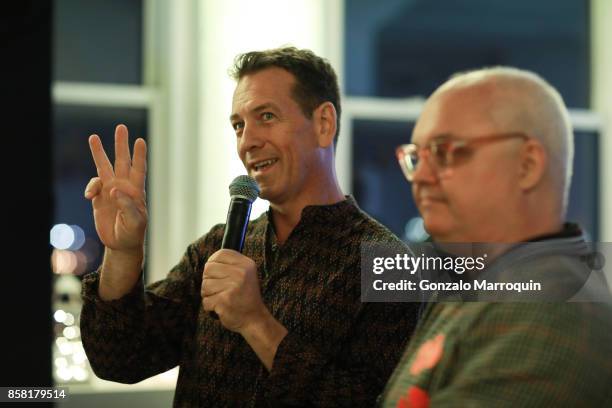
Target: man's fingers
211,287
122,152
103,165
216,303
209,302
228,257
93,188
138,171
217,270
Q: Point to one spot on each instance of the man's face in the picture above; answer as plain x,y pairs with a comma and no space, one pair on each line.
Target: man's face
275,140
472,200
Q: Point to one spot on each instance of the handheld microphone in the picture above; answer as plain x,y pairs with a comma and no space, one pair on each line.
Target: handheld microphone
243,191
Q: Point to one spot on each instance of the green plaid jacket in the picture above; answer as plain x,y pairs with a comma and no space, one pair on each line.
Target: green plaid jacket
508,355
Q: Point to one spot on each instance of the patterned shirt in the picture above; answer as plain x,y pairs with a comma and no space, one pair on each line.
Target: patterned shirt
338,352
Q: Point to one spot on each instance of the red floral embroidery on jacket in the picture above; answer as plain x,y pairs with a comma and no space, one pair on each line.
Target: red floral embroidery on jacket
428,355
414,398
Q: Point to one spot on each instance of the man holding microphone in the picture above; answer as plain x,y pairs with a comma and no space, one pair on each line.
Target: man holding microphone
291,329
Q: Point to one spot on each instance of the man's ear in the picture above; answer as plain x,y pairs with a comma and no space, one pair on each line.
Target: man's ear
325,123
533,164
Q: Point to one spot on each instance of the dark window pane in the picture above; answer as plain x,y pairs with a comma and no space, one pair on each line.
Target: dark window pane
378,183
584,192
98,41
381,189
405,48
73,166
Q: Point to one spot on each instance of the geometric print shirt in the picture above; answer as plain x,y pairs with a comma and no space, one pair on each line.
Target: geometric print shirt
338,350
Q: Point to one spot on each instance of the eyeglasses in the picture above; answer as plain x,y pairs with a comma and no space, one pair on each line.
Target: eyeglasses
444,151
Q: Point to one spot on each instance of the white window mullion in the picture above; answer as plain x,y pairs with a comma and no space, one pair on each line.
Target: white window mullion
103,95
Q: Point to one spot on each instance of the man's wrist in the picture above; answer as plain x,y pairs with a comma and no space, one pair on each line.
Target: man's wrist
264,335
115,256
119,273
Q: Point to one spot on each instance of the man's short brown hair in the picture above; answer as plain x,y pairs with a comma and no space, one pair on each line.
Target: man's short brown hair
316,81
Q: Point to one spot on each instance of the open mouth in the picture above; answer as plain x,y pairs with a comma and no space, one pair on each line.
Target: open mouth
264,164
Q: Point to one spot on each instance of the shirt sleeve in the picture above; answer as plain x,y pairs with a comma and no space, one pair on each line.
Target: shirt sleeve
141,334
350,374
531,355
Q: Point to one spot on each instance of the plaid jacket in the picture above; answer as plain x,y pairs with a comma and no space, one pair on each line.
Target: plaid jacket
339,351
508,355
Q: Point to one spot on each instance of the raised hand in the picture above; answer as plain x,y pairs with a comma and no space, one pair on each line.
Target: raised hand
118,193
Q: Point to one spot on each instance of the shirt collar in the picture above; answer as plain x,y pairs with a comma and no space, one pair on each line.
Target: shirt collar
324,213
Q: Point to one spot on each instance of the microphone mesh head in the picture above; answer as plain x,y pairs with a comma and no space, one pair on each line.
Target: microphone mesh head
244,186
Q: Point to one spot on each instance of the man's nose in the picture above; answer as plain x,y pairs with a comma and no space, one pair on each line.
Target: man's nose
251,138
425,171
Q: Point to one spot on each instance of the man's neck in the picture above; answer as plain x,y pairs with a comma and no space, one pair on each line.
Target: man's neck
510,234
286,216
492,246
538,225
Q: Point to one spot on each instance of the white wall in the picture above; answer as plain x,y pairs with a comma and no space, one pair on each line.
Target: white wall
601,48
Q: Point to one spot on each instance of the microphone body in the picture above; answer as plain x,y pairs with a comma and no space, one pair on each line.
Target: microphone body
236,224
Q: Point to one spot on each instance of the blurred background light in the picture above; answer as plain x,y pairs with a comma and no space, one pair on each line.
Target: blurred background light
59,316
61,362
79,238
62,236
68,320
415,230
70,332
78,373
64,373
63,262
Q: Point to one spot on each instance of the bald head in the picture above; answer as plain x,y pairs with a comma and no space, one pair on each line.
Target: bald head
485,181
522,101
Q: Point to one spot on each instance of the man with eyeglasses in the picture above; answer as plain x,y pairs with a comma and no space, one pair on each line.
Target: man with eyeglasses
491,162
